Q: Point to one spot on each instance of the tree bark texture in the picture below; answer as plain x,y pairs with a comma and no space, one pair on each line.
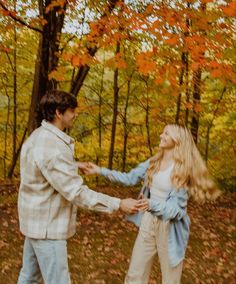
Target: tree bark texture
115,112
196,102
47,58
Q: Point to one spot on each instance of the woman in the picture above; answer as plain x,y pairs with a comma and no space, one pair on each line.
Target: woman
174,173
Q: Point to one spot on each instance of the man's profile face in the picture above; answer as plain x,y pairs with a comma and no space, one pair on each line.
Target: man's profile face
68,117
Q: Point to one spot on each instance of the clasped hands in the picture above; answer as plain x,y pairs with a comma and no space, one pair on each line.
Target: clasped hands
88,168
128,205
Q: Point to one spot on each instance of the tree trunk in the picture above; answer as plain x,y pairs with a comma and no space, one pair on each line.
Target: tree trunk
207,141
197,90
14,138
184,71
209,127
115,112
187,90
12,167
100,118
196,103
147,121
126,126
181,80
83,70
6,132
47,59
186,61
148,130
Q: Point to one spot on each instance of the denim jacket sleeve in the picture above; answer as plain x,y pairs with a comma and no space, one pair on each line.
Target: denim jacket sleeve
173,208
130,178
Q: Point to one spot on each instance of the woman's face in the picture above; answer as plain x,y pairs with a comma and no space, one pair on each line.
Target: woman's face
166,141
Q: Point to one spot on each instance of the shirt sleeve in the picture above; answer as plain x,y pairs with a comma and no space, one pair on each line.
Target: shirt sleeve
62,175
173,208
130,178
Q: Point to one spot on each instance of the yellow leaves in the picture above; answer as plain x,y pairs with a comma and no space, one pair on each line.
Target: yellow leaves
197,107
188,105
174,83
82,59
57,74
67,56
159,80
206,1
5,49
117,61
3,244
42,21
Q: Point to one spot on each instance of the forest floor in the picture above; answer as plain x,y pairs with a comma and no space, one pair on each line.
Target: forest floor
100,251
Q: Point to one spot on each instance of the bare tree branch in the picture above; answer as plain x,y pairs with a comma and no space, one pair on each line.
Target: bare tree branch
18,19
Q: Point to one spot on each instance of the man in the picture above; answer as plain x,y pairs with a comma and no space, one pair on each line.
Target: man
50,192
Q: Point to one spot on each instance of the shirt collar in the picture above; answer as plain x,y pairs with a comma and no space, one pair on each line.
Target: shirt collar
62,135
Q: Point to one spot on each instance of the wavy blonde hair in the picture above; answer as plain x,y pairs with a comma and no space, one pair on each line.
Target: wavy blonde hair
190,171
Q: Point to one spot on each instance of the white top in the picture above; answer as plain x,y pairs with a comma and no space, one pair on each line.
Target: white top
161,184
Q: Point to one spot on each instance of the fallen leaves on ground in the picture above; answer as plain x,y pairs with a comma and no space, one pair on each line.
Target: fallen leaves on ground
100,251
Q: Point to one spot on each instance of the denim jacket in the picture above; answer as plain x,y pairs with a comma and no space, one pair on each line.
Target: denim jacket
173,209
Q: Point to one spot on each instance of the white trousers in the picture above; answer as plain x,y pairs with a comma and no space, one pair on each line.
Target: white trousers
152,239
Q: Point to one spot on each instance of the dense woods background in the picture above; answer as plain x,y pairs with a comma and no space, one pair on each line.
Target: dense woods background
134,66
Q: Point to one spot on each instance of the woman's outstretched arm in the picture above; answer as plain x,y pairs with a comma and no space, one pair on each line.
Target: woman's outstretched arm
130,178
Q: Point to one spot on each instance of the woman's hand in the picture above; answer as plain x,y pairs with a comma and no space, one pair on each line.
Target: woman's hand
82,166
88,168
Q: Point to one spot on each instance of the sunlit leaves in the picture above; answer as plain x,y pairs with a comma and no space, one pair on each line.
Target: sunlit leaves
145,63
56,4
83,59
172,40
153,37
57,74
117,62
230,9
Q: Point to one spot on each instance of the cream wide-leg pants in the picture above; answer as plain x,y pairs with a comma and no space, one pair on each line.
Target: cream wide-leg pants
152,238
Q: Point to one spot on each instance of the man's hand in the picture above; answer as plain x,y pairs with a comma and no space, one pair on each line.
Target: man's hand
131,206
82,166
88,168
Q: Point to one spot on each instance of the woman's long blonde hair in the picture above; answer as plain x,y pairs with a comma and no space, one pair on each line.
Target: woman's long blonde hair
190,171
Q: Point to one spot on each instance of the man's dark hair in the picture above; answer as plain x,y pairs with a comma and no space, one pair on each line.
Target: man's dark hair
56,100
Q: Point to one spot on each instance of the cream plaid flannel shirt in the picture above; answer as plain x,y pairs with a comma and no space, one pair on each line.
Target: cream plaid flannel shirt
51,188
